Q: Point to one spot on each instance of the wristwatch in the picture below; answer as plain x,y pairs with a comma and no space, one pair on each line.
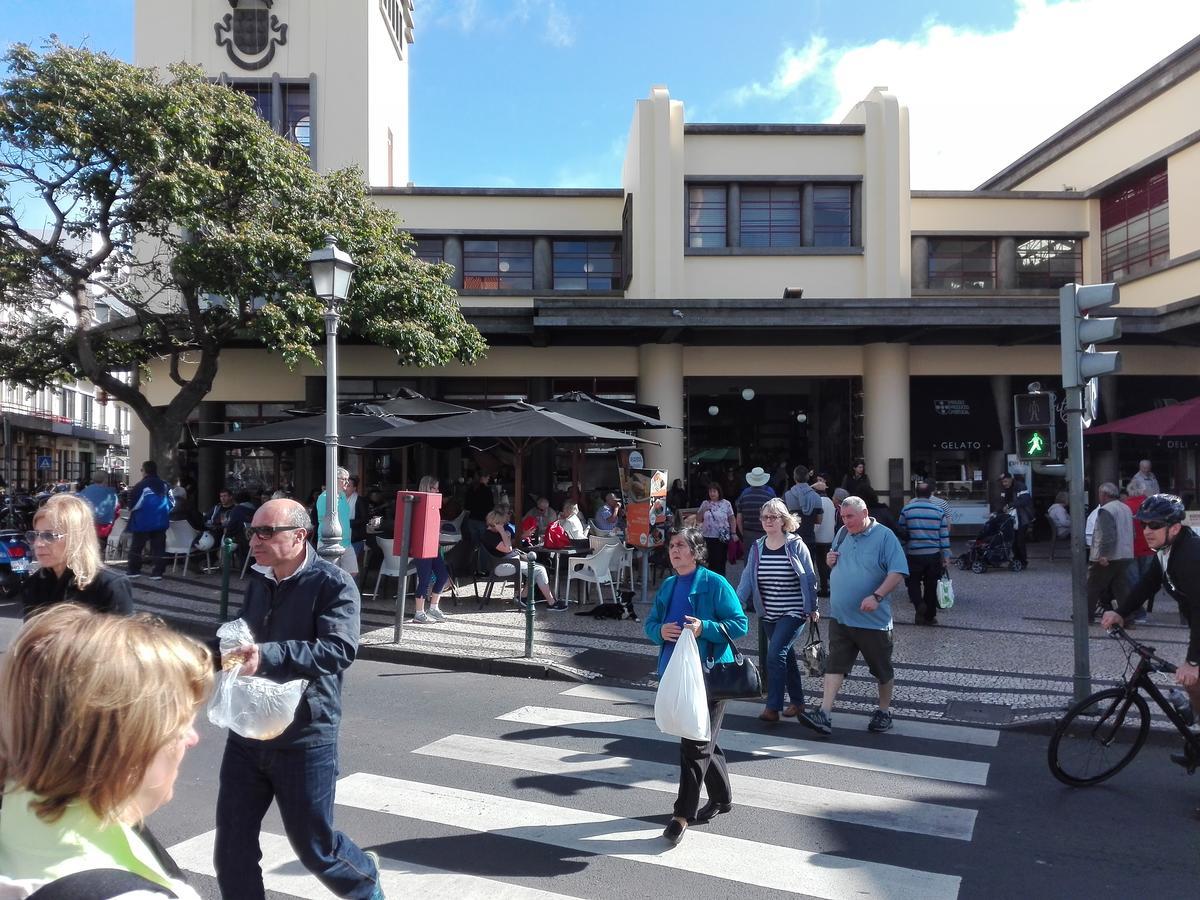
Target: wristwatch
875,594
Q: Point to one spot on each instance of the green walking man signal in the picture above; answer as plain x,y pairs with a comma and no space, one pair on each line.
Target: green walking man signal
1034,418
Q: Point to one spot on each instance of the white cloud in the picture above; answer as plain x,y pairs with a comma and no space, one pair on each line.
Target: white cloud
793,69
979,100
557,25
560,28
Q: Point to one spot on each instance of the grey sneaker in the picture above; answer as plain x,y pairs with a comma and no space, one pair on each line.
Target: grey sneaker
818,720
881,721
558,606
421,618
436,614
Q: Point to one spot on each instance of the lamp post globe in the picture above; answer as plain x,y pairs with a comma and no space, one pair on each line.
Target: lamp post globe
332,270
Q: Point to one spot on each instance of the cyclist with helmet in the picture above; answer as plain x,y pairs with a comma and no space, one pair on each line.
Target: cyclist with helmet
1176,568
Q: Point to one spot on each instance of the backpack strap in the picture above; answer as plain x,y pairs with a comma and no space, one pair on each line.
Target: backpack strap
838,538
98,884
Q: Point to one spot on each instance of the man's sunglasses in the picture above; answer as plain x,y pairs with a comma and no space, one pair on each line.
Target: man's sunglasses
49,537
266,532
1155,526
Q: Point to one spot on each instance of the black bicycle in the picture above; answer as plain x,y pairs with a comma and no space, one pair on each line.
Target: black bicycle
1100,735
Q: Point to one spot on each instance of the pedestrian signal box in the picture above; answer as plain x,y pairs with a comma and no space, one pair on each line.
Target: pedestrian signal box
1034,418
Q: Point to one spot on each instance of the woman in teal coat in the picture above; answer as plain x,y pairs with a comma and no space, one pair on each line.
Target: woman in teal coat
700,600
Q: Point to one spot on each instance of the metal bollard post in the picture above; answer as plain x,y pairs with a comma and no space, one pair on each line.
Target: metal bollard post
227,547
530,559
402,590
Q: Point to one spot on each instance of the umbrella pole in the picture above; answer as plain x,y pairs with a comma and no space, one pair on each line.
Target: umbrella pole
519,466
576,469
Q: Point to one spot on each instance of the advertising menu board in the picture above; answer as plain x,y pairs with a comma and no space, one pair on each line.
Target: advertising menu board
645,499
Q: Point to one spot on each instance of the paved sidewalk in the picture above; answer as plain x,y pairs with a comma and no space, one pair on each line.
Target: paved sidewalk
1003,655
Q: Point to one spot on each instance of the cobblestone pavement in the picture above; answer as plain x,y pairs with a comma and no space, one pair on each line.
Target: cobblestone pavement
1003,654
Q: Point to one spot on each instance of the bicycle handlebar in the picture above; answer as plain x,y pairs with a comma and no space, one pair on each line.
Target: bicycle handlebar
1144,651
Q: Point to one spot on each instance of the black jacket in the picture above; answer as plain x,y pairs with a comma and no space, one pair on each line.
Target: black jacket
1182,582
109,592
306,627
358,519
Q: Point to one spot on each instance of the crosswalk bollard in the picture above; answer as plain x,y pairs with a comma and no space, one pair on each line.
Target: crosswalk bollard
531,560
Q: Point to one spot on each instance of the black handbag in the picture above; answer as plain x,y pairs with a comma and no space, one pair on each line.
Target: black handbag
737,680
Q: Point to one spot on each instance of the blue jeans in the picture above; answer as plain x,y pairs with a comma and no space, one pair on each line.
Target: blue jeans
782,668
301,781
432,573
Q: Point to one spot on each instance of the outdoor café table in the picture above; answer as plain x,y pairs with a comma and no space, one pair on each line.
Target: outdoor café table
557,553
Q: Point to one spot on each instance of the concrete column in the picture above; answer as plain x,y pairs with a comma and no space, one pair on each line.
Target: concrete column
543,265
1006,263
886,418
997,459
452,252
660,382
920,263
210,461
733,215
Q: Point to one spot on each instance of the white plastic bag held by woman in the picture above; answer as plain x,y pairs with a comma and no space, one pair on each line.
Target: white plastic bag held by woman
681,706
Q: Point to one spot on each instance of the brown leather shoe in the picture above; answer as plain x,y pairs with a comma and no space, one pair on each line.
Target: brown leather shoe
791,711
769,715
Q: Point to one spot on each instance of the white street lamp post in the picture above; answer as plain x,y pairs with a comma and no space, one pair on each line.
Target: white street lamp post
332,270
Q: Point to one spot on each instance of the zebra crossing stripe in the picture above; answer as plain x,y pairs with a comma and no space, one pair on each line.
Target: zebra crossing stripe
907,816
917,728
739,861
888,762
283,873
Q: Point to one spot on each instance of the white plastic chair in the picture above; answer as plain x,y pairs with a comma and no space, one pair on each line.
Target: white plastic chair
622,563
117,537
390,567
180,537
595,569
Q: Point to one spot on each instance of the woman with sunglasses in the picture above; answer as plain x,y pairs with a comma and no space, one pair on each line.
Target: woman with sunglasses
68,552
781,581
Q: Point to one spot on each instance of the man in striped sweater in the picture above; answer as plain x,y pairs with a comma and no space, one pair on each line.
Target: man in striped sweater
926,530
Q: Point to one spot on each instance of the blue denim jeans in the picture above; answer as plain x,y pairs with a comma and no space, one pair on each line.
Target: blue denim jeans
782,668
301,781
432,573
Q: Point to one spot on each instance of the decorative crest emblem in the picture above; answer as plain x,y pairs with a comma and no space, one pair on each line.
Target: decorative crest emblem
250,33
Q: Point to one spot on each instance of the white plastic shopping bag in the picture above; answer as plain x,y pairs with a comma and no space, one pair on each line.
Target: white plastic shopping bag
945,591
251,706
681,705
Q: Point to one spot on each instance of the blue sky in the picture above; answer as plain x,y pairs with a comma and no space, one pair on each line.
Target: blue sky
541,92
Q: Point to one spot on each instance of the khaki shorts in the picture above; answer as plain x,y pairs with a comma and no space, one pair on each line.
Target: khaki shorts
846,642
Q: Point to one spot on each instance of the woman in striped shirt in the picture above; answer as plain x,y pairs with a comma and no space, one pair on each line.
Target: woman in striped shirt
780,579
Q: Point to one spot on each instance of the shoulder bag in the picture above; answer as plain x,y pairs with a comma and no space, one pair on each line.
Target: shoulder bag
813,656
737,680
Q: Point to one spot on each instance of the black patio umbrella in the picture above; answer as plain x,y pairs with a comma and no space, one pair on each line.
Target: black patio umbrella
353,431
517,426
405,402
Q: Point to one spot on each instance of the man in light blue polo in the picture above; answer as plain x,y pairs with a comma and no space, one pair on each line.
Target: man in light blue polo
866,563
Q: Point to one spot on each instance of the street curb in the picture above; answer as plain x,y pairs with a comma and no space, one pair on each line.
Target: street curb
513,667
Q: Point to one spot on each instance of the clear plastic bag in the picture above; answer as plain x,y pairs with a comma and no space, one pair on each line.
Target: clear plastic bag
251,706
681,705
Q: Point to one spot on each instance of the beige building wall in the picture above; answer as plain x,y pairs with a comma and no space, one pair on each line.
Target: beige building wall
969,213
387,99
1178,282
1183,186
653,173
717,277
450,212
773,155
1128,143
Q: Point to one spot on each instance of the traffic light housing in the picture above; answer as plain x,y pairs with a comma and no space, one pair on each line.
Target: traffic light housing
1081,332
1035,421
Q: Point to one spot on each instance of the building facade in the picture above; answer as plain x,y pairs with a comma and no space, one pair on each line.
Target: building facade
779,291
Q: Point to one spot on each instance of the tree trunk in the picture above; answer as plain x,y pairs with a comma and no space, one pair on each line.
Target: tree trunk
164,442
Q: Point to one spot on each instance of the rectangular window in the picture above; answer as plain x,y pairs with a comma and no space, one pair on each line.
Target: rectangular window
260,93
587,265
430,250
85,410
770,216
706,216
1049,263
1134,227
498,265
831,215
297,125
958,264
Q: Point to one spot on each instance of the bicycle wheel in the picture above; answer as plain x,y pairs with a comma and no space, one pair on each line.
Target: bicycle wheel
1098,737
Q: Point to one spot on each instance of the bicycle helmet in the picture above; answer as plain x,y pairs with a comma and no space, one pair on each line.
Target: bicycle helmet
1161,508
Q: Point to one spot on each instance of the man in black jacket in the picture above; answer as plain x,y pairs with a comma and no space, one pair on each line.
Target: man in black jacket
304,613
1176,567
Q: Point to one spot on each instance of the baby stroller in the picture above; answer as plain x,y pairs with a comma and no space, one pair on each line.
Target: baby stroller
993,546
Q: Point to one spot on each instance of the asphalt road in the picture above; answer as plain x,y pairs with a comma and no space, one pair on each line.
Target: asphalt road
566,795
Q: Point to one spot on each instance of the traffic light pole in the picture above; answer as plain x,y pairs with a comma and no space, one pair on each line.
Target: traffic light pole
1082,680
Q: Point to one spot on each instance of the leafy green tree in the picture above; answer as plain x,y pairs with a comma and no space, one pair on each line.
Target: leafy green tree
168,201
